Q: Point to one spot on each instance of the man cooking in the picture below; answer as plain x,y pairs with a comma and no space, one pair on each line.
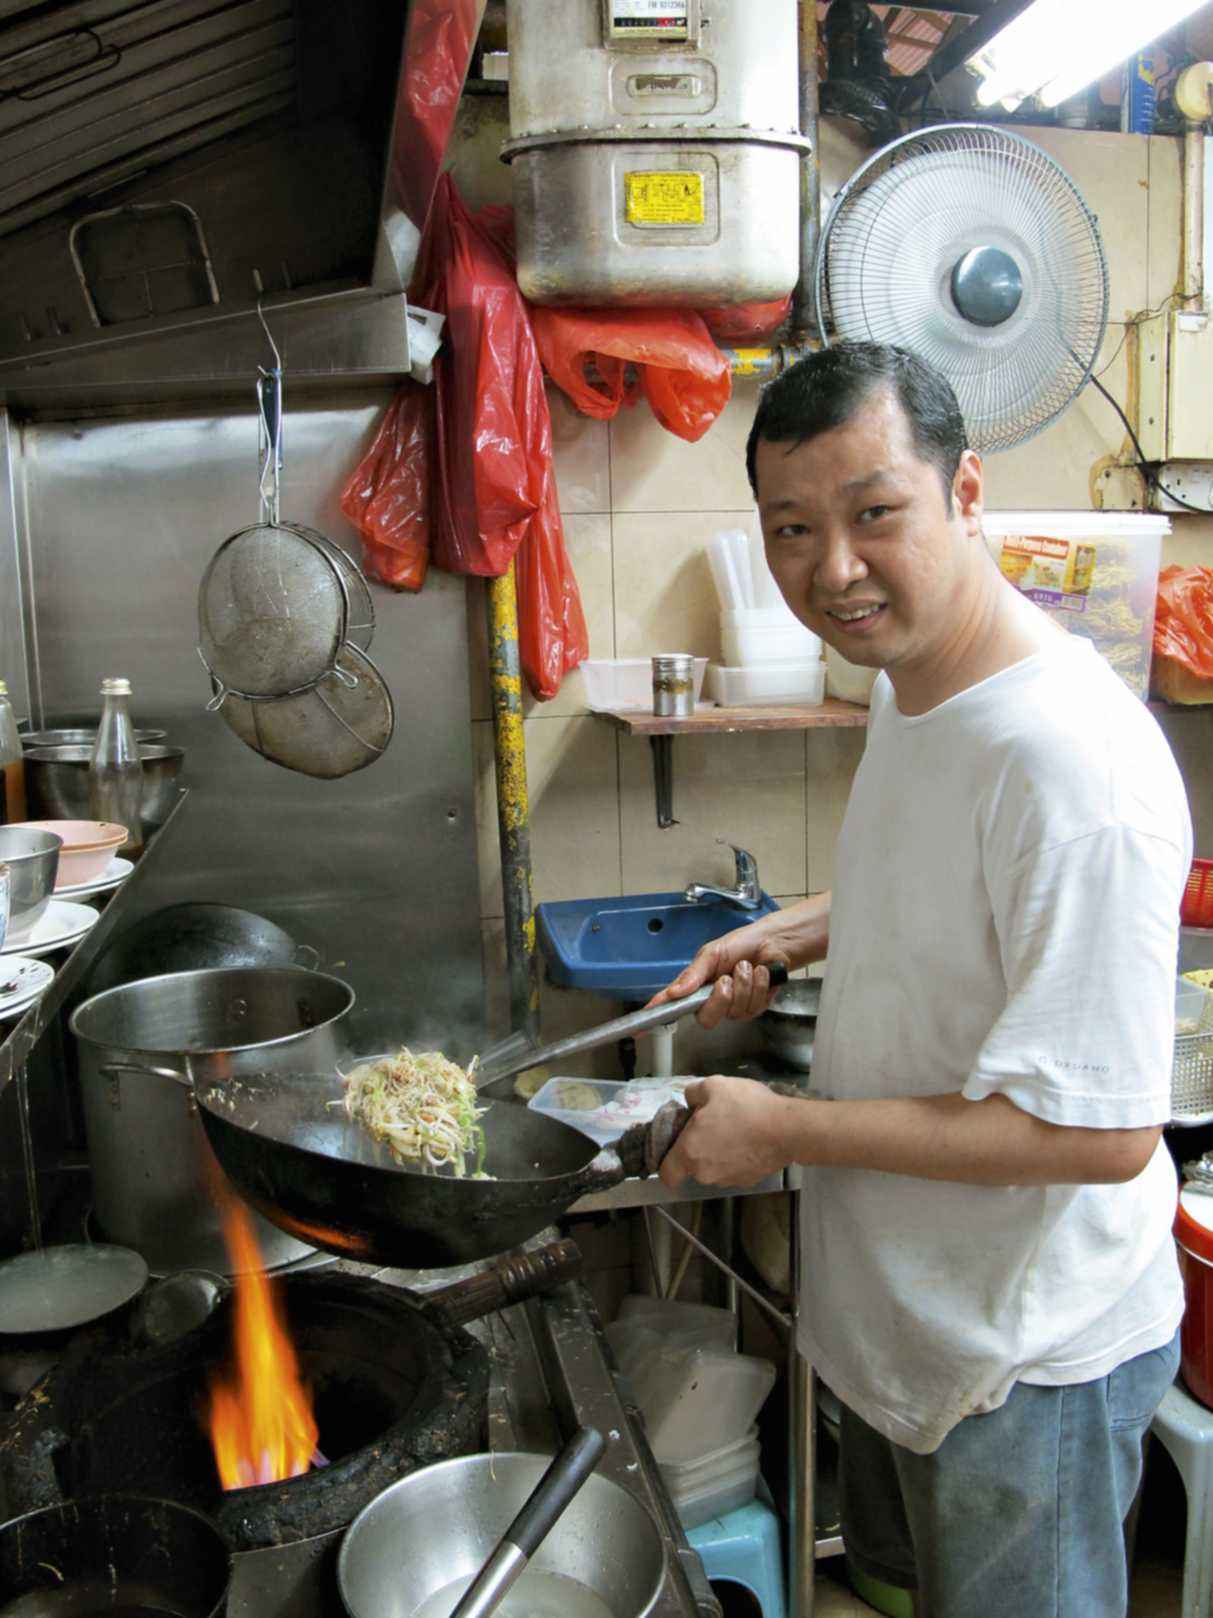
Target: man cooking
989,1281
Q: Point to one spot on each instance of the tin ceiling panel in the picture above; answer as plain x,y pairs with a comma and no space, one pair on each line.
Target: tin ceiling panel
95,92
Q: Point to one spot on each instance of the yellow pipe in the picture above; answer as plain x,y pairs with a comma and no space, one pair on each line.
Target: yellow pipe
513,802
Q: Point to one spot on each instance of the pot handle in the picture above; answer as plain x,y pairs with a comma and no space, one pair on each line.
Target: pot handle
145,1070
306,957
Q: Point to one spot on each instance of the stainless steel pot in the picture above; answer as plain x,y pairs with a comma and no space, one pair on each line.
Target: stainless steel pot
436,1527
56,779
154,1178
79,736
789,1024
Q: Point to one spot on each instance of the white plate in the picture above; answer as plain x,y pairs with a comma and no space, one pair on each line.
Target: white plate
59,925
115,873
22,980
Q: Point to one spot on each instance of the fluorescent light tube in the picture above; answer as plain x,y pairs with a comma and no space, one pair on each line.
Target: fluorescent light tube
1056,48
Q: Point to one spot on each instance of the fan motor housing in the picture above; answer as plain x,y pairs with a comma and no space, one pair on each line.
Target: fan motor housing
655,151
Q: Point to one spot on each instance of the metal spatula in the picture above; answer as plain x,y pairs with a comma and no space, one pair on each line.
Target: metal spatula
516,1054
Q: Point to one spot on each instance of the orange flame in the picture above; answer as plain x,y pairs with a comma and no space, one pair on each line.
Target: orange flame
261,1422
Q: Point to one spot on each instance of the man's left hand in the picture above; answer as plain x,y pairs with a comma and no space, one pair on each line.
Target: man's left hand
734,1138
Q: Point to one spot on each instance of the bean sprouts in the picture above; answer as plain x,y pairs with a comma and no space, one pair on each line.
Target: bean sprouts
422,1106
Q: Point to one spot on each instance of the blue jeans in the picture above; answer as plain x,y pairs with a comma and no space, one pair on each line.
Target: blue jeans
1019,1513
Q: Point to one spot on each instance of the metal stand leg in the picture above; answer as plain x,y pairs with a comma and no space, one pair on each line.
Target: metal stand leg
663,779
802,1453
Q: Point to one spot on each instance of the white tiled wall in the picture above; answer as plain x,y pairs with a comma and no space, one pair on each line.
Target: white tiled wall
639,505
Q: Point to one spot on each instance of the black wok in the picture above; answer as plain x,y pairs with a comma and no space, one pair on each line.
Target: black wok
287,1145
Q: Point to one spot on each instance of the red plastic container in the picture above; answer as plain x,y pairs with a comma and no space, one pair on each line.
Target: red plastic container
1196,906
1194,1234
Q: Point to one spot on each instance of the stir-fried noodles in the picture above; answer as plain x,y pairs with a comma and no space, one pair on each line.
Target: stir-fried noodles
420,1105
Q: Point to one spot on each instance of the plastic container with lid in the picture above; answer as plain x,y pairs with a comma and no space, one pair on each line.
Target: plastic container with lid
772,684
716,1483
1094,572
604,1108
758,635
616,683
698,1400
1194,1235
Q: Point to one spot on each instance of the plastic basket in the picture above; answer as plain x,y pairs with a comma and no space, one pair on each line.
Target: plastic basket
1192,1065
1196,907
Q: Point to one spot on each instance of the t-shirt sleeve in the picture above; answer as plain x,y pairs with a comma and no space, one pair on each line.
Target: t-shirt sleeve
1088,933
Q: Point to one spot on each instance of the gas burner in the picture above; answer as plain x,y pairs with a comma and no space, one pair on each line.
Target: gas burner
395,1388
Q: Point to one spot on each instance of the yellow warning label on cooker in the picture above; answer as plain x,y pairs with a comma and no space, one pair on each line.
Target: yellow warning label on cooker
656,198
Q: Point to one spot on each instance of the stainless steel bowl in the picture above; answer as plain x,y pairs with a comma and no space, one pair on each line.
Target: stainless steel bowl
32,858
79,736
789,1024
56,782
435,1527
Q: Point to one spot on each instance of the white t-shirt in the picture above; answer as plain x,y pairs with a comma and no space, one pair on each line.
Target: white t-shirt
1005,921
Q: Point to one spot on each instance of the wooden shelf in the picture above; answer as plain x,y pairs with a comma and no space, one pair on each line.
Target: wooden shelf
831,715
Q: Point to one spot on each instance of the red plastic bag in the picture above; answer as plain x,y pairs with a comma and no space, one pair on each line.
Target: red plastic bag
735,321
388,496
438,47
1182,670
680,370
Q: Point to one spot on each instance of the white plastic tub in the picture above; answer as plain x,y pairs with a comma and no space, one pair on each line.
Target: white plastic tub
616,683
1094,572
698,1400
716,1483
761,635
769,684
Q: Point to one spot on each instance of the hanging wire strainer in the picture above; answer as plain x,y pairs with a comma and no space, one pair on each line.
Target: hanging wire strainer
274,605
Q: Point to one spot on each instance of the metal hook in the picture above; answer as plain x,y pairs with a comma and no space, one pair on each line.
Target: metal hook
269,336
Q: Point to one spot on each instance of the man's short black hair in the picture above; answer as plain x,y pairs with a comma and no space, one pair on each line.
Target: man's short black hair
826,389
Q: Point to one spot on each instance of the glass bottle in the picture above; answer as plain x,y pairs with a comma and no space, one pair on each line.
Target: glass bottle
115,773
12,764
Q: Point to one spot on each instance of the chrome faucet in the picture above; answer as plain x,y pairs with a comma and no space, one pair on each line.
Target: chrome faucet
747,895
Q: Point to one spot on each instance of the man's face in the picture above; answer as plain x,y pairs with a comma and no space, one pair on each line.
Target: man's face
864,546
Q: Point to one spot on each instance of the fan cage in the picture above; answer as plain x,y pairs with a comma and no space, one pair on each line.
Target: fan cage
885,247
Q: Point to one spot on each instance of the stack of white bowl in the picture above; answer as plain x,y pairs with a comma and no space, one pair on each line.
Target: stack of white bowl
769,656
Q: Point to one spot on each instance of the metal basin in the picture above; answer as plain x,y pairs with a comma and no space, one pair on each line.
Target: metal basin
789,1024
79,736
56,781
32,858
434,1529
628,948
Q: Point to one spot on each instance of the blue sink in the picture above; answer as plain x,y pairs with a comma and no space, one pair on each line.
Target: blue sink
629,948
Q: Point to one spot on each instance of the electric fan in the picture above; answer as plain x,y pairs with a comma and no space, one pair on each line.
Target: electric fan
971,247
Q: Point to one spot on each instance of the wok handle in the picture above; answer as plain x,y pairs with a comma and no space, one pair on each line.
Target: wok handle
510,1280
555,1492
637,1154
145,1070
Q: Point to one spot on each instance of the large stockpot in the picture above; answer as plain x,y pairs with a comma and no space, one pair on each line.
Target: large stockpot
156,1187
57,782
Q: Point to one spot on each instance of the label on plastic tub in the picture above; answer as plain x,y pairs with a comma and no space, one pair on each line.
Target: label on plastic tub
654,197
1051,571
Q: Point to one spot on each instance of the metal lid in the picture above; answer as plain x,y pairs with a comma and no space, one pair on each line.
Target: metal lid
116,685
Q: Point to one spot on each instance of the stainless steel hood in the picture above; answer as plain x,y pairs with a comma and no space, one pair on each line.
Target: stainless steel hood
166,163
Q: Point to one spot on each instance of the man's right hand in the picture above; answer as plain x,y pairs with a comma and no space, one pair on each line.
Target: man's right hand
737,965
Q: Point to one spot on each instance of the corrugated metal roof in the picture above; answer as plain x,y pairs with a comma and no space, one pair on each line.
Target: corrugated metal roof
914,36
93,92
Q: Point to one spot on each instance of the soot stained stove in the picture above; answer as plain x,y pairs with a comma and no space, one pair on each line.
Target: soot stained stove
400,1380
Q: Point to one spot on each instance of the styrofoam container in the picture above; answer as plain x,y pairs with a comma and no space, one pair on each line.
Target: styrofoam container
766,635
1195,948
769,684
604,1108
1094,572
615,683
699,1399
